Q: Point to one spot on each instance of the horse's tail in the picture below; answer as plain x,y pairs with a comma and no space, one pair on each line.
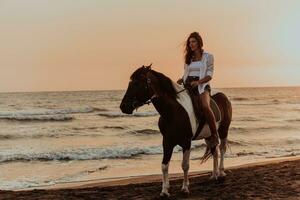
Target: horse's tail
208,154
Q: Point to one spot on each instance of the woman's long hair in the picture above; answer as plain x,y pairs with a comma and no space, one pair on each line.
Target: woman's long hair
188,51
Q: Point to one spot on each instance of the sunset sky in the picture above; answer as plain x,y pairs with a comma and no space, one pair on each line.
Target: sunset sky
58,45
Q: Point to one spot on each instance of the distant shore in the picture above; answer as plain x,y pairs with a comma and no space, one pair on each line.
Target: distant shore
276,179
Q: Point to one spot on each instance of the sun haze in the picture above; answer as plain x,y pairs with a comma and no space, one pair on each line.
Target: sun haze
96,45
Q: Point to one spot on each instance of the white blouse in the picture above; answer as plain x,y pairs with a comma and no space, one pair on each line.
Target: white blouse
201,68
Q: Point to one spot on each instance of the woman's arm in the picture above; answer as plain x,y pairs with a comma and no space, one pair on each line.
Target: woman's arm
210,65
209,71
186,72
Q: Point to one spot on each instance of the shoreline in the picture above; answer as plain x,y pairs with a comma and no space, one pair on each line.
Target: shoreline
123,180
135,179
277,178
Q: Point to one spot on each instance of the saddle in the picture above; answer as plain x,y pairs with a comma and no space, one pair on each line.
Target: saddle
189,102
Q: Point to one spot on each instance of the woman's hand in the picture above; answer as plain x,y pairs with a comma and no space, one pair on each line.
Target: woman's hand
194,83
180,81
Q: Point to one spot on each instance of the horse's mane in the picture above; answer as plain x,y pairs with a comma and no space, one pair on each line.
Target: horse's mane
136,75
165,83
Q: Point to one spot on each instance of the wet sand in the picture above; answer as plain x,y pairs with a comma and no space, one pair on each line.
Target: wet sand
277,179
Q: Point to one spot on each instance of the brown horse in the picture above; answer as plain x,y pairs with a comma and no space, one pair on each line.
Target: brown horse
177,123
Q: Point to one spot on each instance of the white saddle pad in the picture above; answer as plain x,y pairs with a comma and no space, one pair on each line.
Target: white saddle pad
185,101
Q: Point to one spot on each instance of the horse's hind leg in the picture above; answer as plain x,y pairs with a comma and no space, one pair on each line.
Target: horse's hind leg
215,172
223,147
226,115
223,133
185,167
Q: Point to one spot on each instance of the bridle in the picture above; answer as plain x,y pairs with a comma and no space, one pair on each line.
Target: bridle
136,104
154,96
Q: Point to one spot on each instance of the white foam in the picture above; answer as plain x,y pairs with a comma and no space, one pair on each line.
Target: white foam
38,117
44,114
85,153
17,113
20,184
135,114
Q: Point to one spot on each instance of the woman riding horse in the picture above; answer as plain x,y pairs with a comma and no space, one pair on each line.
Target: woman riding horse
198,71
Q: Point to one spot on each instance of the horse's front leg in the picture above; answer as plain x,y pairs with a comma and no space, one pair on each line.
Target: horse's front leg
168,150
185,167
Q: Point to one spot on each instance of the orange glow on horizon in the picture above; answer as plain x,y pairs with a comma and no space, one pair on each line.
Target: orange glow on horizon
94,45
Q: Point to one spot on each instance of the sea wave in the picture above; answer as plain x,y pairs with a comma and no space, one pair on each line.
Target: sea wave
245,153
240,99
247,119
37,118
293,120
88,154
258,101
285,155
46,114
237,143
114,127
291,141
265,102
258,129
85,128
47,135
85,109
271,153
27,182
119,114
145,132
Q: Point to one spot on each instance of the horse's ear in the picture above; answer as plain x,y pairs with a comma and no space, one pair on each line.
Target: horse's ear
149,67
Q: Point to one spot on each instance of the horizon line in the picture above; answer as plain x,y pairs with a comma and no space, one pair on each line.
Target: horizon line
91,90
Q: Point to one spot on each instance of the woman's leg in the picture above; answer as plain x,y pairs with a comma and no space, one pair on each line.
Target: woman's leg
210,117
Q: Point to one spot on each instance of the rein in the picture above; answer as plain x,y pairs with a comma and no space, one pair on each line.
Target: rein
155,96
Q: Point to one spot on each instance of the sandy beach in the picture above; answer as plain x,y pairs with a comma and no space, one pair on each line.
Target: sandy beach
276,179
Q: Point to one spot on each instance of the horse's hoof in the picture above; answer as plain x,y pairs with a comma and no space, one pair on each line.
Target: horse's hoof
222,174
165,194
213,177
185,192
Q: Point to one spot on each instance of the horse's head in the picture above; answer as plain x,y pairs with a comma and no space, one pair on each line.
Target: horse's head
138,91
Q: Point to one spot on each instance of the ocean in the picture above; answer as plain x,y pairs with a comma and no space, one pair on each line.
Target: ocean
49,138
